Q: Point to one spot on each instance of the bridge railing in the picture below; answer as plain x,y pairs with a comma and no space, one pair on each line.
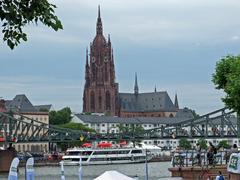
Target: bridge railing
203,158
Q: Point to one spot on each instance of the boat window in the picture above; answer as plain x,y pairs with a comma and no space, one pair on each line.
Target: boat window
73,153
136,151
77,159
84,153
97,159
111,152
77,153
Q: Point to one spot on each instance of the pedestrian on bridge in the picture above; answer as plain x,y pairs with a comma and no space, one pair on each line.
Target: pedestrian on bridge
220,176
199,151
210,153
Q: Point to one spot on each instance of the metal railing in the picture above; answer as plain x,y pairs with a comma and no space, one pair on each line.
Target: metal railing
193,158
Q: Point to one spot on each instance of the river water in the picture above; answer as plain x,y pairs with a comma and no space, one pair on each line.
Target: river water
156,170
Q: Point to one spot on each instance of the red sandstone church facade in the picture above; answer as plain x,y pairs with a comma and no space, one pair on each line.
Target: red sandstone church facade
101,92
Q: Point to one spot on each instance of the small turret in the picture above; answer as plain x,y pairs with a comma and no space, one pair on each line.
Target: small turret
136,90
87,65
87,80
176,102
109,39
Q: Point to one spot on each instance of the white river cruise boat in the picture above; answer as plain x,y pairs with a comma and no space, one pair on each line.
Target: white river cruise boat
104,156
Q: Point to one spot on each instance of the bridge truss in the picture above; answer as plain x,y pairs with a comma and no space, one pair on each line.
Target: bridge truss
217,124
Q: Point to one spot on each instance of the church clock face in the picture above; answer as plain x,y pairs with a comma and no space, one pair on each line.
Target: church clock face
93,59
105,59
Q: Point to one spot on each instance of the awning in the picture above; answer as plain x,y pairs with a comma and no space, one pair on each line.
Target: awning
113,175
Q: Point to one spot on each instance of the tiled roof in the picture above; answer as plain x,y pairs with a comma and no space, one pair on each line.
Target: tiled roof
145,102
184,113
134,120
138,120
43,107
21,104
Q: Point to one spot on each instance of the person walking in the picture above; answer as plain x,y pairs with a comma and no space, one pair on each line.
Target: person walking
199,151
210,153
220,176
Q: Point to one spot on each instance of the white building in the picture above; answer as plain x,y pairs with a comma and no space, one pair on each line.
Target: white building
108,124
21,106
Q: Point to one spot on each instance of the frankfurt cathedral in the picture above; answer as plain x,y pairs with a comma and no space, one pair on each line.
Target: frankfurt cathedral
101,91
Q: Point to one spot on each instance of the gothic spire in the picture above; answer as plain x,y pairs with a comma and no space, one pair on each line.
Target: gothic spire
109,40
136,85
176,102
86,56
155,90
99,22
99,15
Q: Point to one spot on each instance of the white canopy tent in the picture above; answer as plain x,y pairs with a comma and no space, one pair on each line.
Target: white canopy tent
113,175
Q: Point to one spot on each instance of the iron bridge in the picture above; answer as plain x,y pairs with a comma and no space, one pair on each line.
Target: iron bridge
218,124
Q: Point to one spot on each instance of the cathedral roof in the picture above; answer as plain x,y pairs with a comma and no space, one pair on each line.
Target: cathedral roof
146,102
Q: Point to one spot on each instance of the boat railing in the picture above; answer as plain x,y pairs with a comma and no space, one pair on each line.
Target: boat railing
193,158
105,148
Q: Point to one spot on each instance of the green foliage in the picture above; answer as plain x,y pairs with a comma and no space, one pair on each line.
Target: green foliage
184,143
43,110
227,78
130,129
64,146
202,143
77,126
86,113
195,115
62,116
107,113
223,144
16,14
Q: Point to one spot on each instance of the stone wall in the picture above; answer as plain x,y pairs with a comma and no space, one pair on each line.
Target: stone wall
6,157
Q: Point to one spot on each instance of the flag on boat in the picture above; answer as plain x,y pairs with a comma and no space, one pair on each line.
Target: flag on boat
146,167
30,174
13,174
80,169
104,145
62,171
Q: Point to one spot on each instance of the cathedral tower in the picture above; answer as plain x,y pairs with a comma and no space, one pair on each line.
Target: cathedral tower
100,90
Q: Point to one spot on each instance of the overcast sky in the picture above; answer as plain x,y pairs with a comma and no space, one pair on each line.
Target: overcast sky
172,44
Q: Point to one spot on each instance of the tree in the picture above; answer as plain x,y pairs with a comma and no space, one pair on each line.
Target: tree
73,126
132,128
195,115
227,78
77,126
223,144
16,14
62,116
184,143
202,143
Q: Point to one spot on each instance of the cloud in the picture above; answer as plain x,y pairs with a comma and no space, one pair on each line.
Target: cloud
44,90
170,41
65,92
235,38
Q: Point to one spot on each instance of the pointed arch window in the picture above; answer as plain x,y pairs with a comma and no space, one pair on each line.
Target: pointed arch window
100,102
94,72
108,101
106,73
92,101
